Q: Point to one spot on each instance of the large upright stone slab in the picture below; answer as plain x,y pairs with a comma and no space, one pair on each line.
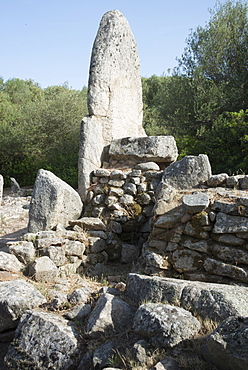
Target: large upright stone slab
53,202
114,94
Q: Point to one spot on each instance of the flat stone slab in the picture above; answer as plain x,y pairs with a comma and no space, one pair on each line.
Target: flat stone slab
195,203
215,301
230,224
148,149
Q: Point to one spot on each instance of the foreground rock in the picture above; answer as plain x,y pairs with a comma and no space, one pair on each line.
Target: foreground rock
114,94
16,297
214,301
53,202
56,343
227,346
9,262
111,315
165,325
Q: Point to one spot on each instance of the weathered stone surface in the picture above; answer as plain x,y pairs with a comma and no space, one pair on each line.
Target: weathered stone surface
114,94
80,295
43,269
110,315
217,180
78,312
103,354
74,248
187,173
129,253
229,254
186,260
1,188
213,266
165,325
147,166
195,203
230,224
53,202
43,340
147,149
118,174
24,251
228,239
244,182
216,301
115,68
170,219
89,223
16,297
167,364
9,262
56,254
227,346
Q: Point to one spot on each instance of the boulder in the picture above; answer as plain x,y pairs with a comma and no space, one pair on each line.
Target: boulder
16,297
111,315
43,341
215,301
187,173
43,269
217,180
227,347
24,251
151,148
53,202
9,262
165,325
114,94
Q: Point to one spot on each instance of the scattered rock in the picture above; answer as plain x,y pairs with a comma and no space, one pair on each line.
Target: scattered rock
9,262
43,269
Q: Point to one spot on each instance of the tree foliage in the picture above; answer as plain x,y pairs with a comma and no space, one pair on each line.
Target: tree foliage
204,103
39,128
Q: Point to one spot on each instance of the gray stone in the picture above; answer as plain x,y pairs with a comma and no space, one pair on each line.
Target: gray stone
187,173
56,254
144,199
244,182
110,316
114,68
139,350
89,223
213,266
53,202
167,364
147,149
186,260
227,346
74,248
165,325
43,269
195,230
80,295
153,259
147,166
169,219
196,202
102,172
16,297
98,199
199,246
103,354
116,183
1,188
78,312
129,253
220,206
43,340
116,192
118,174
96,245
217,180
228,239
24,251
229,254
230,224
233,181
115,227
130,188
215,301
127,199
9,262
15,187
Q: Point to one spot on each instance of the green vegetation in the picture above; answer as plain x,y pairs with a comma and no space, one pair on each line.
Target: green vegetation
39,129
203,103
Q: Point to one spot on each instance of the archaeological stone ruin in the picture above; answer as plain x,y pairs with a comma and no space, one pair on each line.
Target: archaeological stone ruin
179,233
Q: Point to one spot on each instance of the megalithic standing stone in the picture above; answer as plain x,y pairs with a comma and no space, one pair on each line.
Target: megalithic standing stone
114,94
